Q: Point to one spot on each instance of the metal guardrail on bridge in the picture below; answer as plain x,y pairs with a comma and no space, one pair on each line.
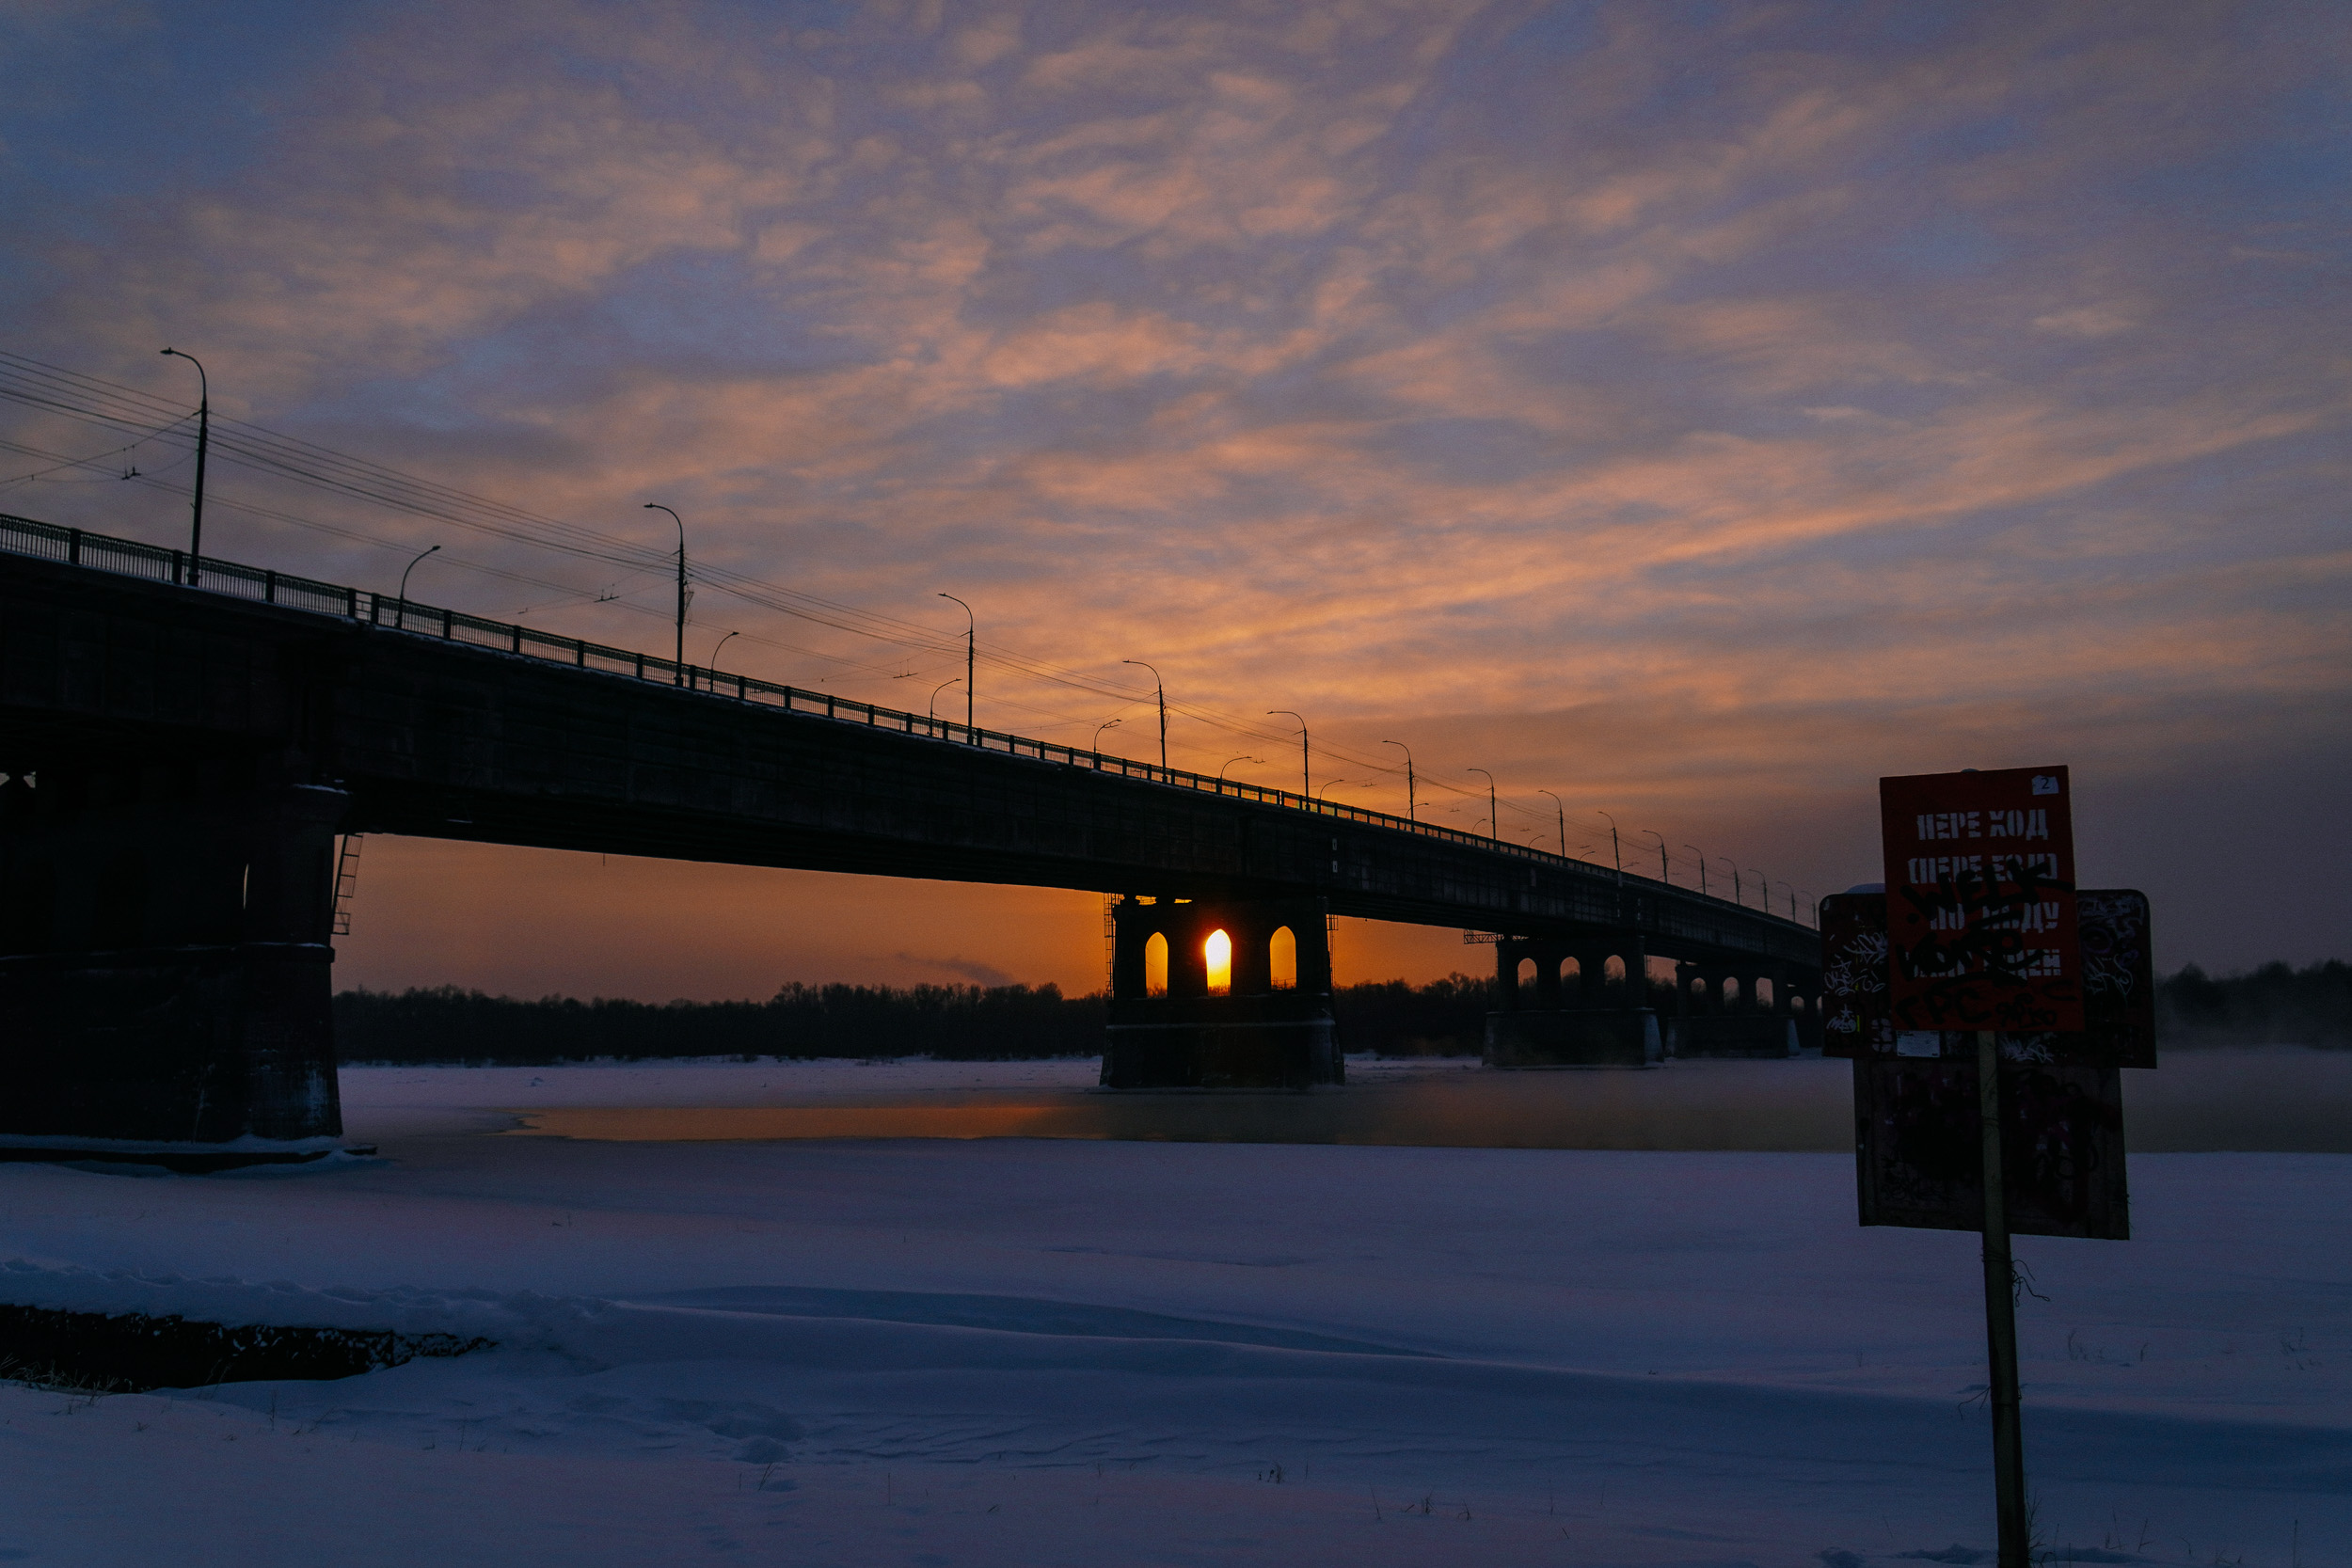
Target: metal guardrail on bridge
105,553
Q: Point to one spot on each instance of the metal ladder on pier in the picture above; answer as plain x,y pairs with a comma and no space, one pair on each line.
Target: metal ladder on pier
346,883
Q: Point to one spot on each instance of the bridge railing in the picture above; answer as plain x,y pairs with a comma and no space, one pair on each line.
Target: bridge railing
103,552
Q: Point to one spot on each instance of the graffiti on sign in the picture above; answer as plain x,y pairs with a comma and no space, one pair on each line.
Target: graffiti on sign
2119,990
1980,901
1857,1020
2119,980
1919,1146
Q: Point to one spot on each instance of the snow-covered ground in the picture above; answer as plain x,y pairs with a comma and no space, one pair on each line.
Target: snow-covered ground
1037,1352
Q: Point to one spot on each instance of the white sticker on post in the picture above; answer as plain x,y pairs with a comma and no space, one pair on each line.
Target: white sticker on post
1919,1042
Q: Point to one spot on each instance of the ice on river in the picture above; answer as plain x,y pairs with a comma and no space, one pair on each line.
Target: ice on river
1040,1351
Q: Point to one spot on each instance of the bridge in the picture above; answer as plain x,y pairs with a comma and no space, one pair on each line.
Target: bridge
184,741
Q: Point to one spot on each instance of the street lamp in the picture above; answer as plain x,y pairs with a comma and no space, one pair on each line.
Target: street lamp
935,691
1105,725
1562,812
714,659
1662,876
1494,822
402,613
1229,762
1324,792
1303,776
971,652
1702,855
1162,687
1615,854
657,506
204,441
1735,877
1410,813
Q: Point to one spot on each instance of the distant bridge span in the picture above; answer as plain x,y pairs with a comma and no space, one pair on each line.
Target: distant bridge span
197,748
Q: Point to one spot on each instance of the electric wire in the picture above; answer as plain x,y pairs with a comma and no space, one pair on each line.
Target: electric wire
70,394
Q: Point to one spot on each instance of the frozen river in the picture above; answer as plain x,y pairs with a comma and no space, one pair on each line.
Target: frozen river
803,1342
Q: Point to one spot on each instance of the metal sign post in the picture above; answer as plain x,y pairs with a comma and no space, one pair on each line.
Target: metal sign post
2000,1318
1980,934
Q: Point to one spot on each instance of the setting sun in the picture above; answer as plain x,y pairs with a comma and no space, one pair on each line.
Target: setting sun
1219,949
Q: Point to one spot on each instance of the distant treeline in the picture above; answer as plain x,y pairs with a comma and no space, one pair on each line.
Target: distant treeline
2275,1004
952,1022
955,1022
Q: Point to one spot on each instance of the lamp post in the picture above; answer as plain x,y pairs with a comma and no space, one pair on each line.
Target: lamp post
1615,854
203,442
1105,725
714,660
970,654
1561,812
403,611
1652,832
1735,878
1494,822
657,506
937,690
1305,776
1410,813
1324,793
1229,762
1702,855
1162,687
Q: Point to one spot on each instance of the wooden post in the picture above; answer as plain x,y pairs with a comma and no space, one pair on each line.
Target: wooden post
2000,1318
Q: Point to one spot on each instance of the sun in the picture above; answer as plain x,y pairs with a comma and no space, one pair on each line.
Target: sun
1219,950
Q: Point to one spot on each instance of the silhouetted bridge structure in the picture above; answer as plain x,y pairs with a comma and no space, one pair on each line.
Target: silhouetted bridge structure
180,759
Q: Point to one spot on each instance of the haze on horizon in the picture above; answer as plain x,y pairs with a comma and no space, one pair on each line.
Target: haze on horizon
1695,410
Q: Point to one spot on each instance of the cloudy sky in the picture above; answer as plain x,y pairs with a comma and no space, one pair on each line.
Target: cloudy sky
1696,410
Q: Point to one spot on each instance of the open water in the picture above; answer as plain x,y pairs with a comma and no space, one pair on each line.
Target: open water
2255,1101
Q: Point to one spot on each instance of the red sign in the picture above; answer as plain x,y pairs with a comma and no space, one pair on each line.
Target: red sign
1980,910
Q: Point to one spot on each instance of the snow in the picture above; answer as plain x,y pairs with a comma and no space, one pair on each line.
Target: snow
1083,1351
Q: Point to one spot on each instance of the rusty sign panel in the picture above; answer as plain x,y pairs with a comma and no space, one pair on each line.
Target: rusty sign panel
2119,989
1919,1147
1980,901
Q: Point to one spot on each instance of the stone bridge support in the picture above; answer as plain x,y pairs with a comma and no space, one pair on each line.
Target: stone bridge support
1592,1023
1264,1030
1715,1026
165,953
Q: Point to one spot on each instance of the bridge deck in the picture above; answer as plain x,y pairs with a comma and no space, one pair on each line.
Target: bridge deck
443,725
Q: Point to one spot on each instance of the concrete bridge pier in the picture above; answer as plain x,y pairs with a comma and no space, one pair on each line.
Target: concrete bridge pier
165,953
1268,1026
1740,1027
1597,1024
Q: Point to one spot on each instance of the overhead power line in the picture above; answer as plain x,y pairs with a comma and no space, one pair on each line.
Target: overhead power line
54,390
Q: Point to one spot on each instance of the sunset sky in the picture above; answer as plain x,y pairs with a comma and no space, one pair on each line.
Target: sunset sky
1697,410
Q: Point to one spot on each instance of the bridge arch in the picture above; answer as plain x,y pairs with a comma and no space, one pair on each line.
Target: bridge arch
1156,965
1219,952
1281,957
